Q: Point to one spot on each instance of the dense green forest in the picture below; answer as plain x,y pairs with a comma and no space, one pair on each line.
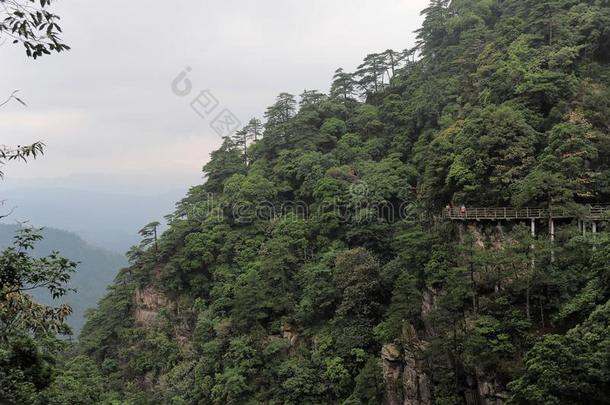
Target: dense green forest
313,267
96,268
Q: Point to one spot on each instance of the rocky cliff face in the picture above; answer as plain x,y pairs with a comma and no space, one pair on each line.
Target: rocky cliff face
147,304
488,391
406,382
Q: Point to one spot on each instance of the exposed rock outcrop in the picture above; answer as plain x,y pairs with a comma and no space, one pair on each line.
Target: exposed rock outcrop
488,390
288,332
391,357
147,304
406,382
416,382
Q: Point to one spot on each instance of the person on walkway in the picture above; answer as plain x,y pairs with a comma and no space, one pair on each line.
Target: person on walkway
463,210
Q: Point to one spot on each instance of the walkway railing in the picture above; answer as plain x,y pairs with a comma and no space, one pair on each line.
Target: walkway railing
513,213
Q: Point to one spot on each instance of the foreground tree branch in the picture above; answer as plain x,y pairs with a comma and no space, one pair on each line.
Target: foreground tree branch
30,23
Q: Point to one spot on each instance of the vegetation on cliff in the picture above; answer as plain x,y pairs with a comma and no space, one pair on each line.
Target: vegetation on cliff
315,243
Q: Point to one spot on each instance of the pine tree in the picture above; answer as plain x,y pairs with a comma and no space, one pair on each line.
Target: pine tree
344,86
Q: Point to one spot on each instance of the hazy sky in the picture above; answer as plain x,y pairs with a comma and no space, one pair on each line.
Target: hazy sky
106,111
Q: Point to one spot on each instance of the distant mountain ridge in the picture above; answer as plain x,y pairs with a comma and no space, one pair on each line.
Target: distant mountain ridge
96,269
105,219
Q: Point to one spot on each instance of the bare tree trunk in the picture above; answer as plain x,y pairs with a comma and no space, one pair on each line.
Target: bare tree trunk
156,243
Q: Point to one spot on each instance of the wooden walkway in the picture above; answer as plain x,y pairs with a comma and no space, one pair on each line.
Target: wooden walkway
592,213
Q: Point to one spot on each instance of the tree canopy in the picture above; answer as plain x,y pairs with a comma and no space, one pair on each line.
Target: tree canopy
312,267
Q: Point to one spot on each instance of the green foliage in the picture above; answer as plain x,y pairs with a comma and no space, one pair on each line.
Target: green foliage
316,240
26,368
223,163
30,23
369,384
80,382
96,269
405,305
570,368
19,273
22,153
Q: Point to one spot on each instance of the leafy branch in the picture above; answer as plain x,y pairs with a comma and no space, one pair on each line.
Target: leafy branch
30,23
20,152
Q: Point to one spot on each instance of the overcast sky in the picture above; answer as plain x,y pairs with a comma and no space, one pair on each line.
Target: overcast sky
106,110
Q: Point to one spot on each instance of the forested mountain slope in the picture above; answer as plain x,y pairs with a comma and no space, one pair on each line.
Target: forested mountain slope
311,267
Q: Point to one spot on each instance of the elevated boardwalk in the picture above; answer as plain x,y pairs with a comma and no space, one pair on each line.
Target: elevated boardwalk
590,213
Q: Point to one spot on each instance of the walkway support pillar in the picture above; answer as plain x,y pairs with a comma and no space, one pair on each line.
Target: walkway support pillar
533,227
552,232
533,261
